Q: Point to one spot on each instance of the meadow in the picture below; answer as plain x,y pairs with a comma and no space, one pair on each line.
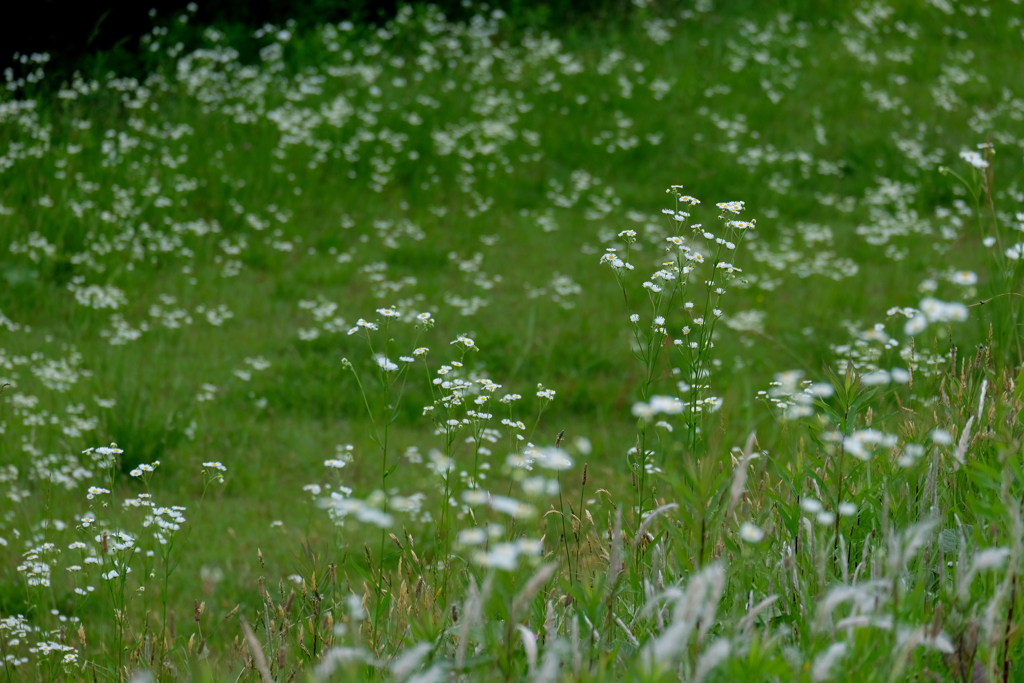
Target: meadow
681,345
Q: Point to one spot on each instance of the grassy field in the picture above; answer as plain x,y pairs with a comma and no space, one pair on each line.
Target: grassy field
416,372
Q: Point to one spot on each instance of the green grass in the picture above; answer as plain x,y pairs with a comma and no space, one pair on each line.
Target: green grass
761,106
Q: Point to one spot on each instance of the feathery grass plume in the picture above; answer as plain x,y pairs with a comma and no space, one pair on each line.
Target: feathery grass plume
405,663
715,654
627,632
746,623
530,647
551,662
614,555
965,439
739,481
903,547
256,650
522,600
472,615
692,608
653,515
337,657
826,662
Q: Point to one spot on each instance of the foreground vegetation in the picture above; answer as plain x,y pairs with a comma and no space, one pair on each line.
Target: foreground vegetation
382,352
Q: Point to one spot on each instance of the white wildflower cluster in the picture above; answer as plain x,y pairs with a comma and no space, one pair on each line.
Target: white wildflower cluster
794,396
693,258
932,310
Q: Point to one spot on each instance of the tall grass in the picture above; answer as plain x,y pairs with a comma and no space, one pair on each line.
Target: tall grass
411,370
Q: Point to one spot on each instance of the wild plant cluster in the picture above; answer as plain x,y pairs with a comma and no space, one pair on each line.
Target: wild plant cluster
302,349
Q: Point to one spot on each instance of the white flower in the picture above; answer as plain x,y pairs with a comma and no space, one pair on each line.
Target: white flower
811,506
847,509
502,556
915,325
472,536
751,533
551,458
964,277
974,159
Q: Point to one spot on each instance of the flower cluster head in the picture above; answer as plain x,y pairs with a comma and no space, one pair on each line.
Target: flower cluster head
731,207
465,341
682,198
424,319
974,159
546,394
741,225
668,405
94,491
488,385
388,313
343,456
677,216
965,278
751,533
612,258
862,443
104,456
932,311
550,458
505,556
215,465
364,324
144,469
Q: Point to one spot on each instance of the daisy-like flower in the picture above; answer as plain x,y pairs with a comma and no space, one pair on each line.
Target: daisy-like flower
548,394
731,207
215,465
472,536
420,351
465,341
964,277
363,324
388,313
974,159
